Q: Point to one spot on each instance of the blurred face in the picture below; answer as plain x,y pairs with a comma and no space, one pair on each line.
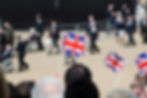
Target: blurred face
90,17
137,88
1,31
110,6
53,23
8,47
38,20
6,25
145,90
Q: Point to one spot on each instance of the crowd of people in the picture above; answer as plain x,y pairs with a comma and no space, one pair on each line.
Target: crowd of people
78,78
119,22
78,82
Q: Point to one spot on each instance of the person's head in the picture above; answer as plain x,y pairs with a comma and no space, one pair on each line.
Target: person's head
23,90
82,89
137,85
110,6
125,6
130,17
53,22
7,25
4,92
38,18
91,17
76,73
121,94
49,87
1,31
8,47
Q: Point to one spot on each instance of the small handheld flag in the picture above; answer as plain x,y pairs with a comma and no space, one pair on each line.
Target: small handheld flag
74,44
141,63
114,62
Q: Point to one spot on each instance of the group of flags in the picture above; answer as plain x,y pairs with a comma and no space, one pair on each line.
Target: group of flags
75,45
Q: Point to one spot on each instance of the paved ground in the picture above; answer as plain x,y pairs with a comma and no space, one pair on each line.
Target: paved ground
42,64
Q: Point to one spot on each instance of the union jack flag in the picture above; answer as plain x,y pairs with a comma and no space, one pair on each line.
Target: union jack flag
141,63
114,62
74,44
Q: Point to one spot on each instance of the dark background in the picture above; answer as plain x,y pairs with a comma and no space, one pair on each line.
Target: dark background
22,12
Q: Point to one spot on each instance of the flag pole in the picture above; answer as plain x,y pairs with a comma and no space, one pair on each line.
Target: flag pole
117,80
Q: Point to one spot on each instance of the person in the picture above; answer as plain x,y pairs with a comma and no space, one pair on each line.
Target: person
131,28
49,87
79,83
23,89
6,59
54,34
9,32
144,29
32,46
93,33
4,90
109,15
21,50
77,72
7,53
137,86
2,40
125,10
40,30
120,27
119,93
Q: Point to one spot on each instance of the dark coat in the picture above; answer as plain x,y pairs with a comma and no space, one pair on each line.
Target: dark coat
3,41
21,48
131,28
56,34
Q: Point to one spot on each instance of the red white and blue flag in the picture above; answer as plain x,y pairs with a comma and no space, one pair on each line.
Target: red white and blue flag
74,44
141,63
115,62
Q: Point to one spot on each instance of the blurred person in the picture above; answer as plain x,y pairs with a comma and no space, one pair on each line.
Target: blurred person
40,31
9,32
137,87
32,45
118,93
23,89
110,18
54,34
2,40
21,50
120,27
4,90
131,29
93,34
77,72
7,53
140,12
144,29
49,87
6,59
125,10
145,86
79,83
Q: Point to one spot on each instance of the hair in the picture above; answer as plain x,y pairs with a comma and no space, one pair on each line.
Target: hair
76,73
82,89
23,90
4,91
79,83
49,87
121,94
